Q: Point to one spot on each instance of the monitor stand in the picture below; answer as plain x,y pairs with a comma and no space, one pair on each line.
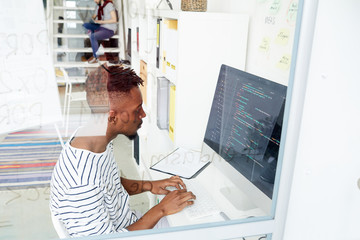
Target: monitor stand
237,198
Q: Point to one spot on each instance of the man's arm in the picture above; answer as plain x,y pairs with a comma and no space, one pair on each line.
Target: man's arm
156,187
136,186
172,203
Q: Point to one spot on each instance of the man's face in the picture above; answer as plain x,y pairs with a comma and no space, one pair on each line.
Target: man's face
132,113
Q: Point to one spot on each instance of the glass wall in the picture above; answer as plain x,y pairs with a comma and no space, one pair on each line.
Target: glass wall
243,143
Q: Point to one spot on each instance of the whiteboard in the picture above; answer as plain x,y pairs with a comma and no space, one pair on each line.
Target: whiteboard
28,90
271,37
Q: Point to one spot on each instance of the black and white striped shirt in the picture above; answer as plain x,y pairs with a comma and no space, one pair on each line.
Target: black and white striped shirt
87,195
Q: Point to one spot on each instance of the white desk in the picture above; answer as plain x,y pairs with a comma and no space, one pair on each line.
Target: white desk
215,183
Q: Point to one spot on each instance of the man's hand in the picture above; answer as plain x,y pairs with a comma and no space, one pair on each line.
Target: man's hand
176,201
159,187
172,203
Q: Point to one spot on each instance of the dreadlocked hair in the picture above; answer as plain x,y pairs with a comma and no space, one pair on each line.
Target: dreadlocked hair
122,80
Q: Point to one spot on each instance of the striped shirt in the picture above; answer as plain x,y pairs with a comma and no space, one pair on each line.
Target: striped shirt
87,195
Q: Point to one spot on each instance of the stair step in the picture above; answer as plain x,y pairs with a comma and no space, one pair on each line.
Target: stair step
64,35
110,50
73,8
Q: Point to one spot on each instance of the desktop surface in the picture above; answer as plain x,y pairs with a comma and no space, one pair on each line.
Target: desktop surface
215,189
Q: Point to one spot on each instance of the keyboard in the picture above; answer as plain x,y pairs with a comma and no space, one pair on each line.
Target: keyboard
204,205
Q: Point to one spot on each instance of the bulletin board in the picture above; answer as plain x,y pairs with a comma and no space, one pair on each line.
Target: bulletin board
271,37
28,90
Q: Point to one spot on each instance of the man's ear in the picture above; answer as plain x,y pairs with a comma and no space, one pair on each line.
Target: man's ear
112,116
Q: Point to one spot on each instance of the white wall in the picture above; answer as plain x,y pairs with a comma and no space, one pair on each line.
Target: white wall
325,199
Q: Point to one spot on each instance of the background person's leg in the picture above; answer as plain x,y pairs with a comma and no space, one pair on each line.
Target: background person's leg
100,34
94,44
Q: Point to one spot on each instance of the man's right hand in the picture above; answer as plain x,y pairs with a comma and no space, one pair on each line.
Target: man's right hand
173,202
176,201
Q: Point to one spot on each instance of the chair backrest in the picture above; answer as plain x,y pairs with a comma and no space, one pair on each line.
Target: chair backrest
59,227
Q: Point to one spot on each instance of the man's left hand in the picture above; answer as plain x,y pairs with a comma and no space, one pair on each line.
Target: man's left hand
159,187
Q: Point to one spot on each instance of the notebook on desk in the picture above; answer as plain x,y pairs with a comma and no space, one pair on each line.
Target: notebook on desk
183,163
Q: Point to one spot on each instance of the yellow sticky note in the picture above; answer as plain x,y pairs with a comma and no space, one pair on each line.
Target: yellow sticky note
265,44
283,37
284,62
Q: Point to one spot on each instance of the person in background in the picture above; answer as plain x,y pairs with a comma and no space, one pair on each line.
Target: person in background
87,194
104,25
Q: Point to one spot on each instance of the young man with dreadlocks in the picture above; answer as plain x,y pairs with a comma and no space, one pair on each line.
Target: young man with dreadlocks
88,197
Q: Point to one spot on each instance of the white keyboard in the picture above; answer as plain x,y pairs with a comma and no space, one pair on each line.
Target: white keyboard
204,205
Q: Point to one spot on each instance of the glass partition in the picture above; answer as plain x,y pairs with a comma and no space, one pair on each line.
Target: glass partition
242,146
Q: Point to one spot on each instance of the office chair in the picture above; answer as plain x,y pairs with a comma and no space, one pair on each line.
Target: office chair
69,97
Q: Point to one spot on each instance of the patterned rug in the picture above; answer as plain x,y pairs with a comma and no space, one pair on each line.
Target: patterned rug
27,158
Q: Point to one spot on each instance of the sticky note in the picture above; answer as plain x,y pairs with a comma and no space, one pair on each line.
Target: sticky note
274,7
282,37
265,44
284,62
292,12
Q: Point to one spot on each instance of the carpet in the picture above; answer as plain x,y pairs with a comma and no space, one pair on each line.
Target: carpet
27,158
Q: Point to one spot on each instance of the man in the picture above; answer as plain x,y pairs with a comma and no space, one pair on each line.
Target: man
87,194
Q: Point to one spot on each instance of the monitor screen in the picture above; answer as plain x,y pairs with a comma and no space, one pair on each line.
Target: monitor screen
244,125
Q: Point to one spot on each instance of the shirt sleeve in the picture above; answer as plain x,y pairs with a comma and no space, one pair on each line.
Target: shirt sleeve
83,212
109,7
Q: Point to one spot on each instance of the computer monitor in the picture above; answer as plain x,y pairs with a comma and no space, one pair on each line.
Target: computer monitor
244,130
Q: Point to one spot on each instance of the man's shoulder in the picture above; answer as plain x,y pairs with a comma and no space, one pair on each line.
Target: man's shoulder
80,143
